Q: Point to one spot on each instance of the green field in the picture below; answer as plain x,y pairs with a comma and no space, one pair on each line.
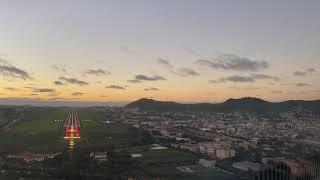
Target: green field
37,131
105,137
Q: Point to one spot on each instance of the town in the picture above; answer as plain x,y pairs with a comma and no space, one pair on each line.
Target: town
235,140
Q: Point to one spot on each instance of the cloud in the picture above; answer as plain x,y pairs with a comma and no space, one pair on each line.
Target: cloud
115,87
302,84
141,77
74,81
246,88
311,70
264,76
9,70
234,62
11,89
133,81
59,67
305,72
237,78
43,90
58,83
33,94
179,71
186,72
151,89
97,72
245,79
299,73
77,94
165,62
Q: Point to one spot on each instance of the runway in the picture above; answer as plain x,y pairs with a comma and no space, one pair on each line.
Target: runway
72,127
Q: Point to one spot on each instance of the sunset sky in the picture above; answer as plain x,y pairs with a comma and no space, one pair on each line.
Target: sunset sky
186,51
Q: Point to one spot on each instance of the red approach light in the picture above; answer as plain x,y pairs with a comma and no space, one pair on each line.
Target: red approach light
67,131
77,133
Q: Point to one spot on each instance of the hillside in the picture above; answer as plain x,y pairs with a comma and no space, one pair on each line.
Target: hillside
247,104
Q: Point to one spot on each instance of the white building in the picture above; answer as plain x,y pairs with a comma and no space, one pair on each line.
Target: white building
246,166
207,163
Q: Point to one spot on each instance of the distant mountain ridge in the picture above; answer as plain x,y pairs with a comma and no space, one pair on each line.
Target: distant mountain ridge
246,104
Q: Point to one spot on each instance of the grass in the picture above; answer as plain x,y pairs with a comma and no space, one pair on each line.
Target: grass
36,132
37,122
159,162
95,134
39,132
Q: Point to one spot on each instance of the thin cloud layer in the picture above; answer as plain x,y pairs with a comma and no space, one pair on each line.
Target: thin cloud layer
11,89
77,94
97,72
165,62
186,72
304,72
151,89
43,90
246,79
303,84
237,78
299,73
234,62
115,87
311,70
134,81
33,94
9,70
59,67
180,71
264,76
58,83
73,81
141,77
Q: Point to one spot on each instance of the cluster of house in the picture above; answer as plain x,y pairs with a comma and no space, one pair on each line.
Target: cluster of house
31,156
213,149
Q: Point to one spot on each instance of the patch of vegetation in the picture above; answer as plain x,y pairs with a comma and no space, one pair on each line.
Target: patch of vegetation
37,132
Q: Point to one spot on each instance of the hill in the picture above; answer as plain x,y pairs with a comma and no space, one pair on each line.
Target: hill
247,104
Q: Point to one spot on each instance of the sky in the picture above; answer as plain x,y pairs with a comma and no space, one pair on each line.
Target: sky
172,50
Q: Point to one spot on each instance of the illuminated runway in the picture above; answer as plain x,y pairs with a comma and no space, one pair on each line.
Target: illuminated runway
72,127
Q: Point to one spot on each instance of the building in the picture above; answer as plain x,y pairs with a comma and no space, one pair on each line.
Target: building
99,156
190,147
217,150
29,156
225,153
207,163
136,155
247,166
